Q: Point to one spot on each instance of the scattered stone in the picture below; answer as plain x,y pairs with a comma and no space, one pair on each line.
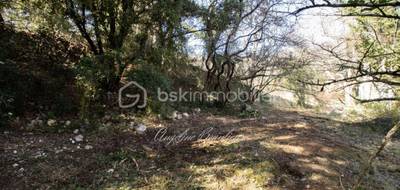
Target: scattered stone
174,114
67,123
51,122
179,116
6,132
58,151
15,165
140,129
40,140
196,110
21,170
88,147
78,138
110,170
76,131
185,115
308,186
78,147
15,151
248,108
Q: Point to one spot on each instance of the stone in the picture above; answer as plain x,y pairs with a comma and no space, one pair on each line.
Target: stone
78,138
140,129
67,123
76,131
88,147
174,114
179,116
185,115
196,110
51,122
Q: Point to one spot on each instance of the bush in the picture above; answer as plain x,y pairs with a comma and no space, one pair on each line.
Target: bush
152,79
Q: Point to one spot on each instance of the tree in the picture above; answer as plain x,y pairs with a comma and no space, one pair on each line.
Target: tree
231,28
378,56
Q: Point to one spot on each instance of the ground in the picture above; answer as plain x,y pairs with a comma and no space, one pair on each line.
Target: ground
280,150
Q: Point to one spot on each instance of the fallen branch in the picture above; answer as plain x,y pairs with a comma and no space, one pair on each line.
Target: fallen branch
385,141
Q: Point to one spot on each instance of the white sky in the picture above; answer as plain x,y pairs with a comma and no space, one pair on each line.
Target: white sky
319,26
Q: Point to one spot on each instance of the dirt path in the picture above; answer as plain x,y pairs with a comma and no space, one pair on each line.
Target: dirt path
283,150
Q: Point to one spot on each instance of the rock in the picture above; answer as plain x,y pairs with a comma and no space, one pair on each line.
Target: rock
88,147
58,151
78,138
140,129
174,114
6,132
68,123
110,171
179,116
76,131
15,151
15,165
51,122
185,115
248,108
196,110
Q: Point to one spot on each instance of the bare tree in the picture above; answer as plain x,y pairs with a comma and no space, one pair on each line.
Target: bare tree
368,66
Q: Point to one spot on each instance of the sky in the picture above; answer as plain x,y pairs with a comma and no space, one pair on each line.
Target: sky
319,26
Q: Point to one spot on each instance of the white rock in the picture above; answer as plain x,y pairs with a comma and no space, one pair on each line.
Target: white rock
140,128
185,115
197,110
179,116
15,151
88,147
15,165
78,147
76,131
67,123
51,122
110,171
174,114
78,138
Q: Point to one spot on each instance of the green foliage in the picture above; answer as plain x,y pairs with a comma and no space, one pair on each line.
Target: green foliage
300,89
150,78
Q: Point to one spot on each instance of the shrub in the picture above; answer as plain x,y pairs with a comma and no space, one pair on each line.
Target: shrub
152,79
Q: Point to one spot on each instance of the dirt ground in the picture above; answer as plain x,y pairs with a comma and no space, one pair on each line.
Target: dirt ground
280,150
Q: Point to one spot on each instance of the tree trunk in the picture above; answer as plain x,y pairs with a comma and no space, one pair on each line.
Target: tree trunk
1,19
